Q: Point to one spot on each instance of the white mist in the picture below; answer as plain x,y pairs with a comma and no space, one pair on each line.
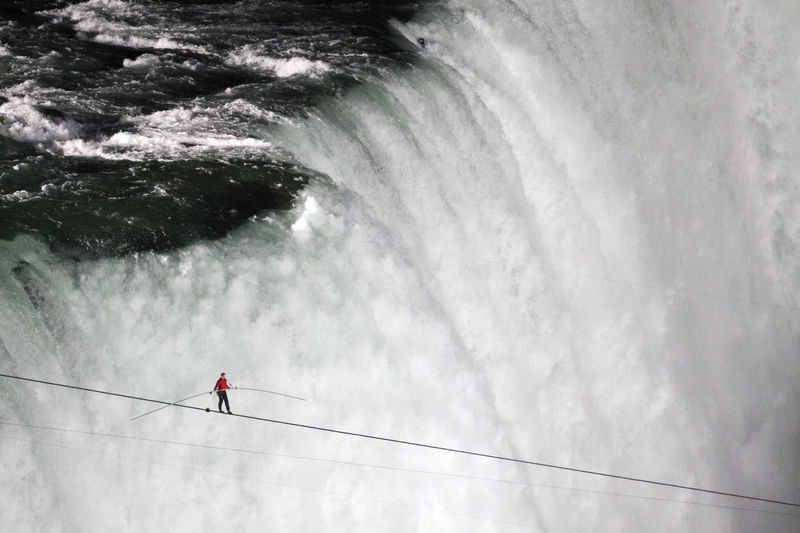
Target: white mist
569,235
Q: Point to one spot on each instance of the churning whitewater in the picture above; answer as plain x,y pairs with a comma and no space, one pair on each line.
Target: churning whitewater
565,232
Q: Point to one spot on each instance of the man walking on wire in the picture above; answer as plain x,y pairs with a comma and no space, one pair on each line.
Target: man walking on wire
220,388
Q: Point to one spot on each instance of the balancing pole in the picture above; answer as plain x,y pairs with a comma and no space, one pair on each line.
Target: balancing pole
271,392
208,409
169,405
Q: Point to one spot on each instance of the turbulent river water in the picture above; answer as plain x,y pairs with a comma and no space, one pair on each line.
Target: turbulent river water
562,232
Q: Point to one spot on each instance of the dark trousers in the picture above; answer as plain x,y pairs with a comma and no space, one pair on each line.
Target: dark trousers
223,396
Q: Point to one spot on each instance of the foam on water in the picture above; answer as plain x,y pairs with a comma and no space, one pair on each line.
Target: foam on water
251,57
133,41
552,239
122,24
197,132
189,141
143,61
24,122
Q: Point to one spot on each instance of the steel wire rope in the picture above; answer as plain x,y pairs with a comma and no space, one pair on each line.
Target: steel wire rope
399,469
320,491
426,446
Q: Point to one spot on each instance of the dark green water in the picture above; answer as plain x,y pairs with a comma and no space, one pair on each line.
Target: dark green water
131,126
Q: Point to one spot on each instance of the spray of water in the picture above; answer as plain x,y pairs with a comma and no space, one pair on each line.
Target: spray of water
569,235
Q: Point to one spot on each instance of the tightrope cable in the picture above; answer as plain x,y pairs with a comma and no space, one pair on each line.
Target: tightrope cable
398,469
426,446
276,484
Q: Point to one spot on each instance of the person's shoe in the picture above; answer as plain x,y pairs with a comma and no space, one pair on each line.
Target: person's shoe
220,411
230,413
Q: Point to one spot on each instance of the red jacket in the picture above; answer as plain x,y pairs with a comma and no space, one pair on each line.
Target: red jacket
222,384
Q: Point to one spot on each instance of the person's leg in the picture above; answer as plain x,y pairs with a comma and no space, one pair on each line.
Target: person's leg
221,397
227,405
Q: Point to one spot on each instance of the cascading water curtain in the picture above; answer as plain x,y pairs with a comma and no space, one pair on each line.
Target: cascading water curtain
562,232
